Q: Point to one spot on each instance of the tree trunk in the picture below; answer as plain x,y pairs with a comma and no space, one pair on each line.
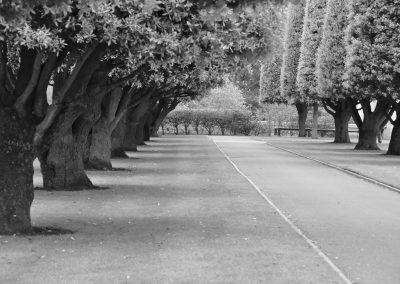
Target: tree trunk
302,113
16,173
394,144
368,135
146,131
315,121
100,147
140,133
342,117
134,135
117,139
372,122
62,165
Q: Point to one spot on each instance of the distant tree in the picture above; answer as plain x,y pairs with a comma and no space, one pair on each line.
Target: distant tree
310,41
331,66
294,28
209,120
270,86
225,97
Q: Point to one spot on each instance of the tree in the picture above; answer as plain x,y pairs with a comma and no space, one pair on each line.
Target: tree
87,49
310,41
330,68
372,66
292,42
270,86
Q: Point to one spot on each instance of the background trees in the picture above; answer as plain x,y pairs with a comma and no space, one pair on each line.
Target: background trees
330,68
292,45
312,33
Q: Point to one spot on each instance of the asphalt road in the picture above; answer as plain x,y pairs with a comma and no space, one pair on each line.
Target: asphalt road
179,213
355,223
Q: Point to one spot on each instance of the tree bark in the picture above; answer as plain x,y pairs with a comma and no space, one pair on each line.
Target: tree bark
16,173
302,117
341,110
61,156
315,121
100,147
342,118
117,139
134,132
394,144
368,135
370,126
167,108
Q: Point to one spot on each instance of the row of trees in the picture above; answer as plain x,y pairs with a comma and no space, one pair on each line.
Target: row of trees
236,122
343,55
82,80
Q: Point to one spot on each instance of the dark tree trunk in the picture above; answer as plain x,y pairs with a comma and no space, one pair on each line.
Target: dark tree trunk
135,126
62,165
100,147
394,144
342,117
140,133
302,117
159,118
117,139
370,126
368,135
146,132
315,121
100,151
130,142
16,173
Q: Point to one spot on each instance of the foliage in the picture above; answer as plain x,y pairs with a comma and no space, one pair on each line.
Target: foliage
225,97
331,54
310,41
237,122
373,52
270,87
292,44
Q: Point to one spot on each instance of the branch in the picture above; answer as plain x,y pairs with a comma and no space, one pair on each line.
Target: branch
11,80
122,107
355,114
53,109
328,110
389,115
43,83
19,105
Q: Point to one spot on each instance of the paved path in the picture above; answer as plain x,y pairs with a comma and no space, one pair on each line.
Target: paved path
181,215
356,223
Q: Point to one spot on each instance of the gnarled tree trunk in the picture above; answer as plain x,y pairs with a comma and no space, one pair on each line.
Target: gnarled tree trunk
394,144
302,117
61,156
166,108
370,125
341,110
16,173
100,150
134,132
117,139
